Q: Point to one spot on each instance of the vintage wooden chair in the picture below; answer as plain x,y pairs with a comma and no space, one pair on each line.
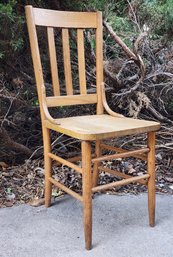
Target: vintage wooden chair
86,128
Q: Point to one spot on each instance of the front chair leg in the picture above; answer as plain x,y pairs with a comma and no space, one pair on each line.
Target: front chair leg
151,180
95,175
87,196
47,166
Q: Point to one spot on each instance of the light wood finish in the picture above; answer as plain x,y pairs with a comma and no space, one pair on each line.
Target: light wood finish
151,181
119,183
81,61
96,127
105,104
45,109
71,100
119,174
120,150
67,61
96,164
120,155
75,159
35,53
65,162
39,82
86,128
50,18
66,189
99,62
47,167
53,61
87,196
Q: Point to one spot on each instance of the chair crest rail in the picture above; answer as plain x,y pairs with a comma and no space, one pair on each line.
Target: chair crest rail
54,18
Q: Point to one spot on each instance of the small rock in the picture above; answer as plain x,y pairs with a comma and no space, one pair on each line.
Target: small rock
37,202
10,196
168,179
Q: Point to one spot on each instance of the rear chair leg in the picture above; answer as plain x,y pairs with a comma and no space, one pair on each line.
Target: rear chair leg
151,180
95,175
47,166
87,196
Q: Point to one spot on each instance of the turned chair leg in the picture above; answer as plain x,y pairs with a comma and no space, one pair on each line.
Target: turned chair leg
151,180
95,174
87,195
47,166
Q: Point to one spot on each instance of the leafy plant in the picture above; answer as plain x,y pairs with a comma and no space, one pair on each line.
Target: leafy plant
11,26
158,15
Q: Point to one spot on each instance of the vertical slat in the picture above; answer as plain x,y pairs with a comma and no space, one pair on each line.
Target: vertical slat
99,62
81,61
67,62
87,196
151,180
53,61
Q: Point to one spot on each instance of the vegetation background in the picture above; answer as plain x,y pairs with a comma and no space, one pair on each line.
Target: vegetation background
134,88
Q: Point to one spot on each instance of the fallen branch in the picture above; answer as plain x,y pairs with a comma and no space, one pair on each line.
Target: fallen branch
158,115
10,143
118,40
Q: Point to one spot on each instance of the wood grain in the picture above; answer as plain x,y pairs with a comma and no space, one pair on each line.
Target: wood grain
51,18
81,61
120,155
87,196
97,127
66,189
67,61
119,174
119,183
53,101
95,175
120,150
90,127
151,181
53,61
65,162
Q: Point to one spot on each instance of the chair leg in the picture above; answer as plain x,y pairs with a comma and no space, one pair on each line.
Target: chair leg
151,180
47,166
87,196
95,175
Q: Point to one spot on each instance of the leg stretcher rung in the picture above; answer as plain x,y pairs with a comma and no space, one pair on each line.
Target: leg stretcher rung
65,162
74,159
119,183
120,174
121,150
66,189
120,155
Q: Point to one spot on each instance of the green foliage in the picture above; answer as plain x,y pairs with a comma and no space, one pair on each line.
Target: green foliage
11,26
107,7
158,15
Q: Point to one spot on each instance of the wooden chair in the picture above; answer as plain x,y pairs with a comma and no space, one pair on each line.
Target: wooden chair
86,128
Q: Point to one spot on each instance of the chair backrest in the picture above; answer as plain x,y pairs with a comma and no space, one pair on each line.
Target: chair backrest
66,20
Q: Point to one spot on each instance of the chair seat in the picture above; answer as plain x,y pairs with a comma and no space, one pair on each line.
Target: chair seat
94,127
